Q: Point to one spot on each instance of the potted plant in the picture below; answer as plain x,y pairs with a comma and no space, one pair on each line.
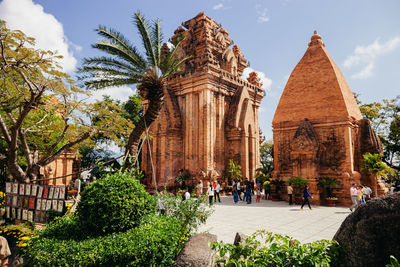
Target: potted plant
278,184
328,184
298,184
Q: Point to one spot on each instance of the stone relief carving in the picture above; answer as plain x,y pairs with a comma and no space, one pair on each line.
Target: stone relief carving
331,153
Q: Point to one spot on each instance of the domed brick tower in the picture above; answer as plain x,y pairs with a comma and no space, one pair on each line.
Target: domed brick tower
318,128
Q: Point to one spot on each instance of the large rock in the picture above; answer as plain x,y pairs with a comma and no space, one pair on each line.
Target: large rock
239,239
372,233
196,252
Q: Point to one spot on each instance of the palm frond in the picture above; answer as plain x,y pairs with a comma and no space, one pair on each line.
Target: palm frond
100,83
120,52
110,62
114,36
157,40
100,71
143,28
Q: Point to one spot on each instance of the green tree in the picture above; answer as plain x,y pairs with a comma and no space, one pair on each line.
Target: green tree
384,117
234,171
127,66
266,161
39,108
373,165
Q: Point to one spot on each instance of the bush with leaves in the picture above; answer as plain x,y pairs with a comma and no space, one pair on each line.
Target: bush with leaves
269,249
115,203
154,243
298,183
191,212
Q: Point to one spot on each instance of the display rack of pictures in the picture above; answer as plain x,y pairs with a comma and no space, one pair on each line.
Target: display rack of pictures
29,202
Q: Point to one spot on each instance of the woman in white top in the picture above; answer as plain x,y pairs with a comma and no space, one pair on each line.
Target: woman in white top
210,193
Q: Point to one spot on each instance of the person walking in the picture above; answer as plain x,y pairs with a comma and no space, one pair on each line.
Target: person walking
244,190
367,193
290,193
235,192
248,192
306,195
210,193
258,192
267,189
239,190
354,196
216,193
199,189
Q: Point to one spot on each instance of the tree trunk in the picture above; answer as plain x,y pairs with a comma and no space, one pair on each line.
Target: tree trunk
15,170
375,185
153,111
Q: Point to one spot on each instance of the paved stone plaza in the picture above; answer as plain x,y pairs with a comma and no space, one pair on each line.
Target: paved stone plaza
278,217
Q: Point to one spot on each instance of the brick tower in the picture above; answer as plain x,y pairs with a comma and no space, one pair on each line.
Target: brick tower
210,114
318,128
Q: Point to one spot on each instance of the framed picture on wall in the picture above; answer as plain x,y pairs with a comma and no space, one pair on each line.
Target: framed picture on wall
51,192
31,203
48,204
40,191
8,187
19,213
15,201
8,212
30,215
15,188
24,214
43,205
34,190
22,189
28,190
56,192
38,204
60,206
55,204
46,192
25,204
62,192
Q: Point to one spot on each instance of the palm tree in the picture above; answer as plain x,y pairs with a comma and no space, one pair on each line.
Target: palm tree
125,65
373,165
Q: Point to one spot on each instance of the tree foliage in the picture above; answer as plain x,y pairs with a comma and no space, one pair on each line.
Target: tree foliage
385,120
41,116
266,161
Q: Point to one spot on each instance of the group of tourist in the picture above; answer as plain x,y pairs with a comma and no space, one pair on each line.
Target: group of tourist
213,192
249,188
359,195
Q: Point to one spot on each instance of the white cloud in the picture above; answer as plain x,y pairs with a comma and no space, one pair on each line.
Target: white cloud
30,18
262,14
365,56
121,93
266,82
365,72
219,6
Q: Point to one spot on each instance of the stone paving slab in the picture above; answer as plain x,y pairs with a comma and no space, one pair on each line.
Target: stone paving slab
278,217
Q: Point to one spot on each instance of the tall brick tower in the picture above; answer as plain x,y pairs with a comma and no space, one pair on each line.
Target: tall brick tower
210,114
318,128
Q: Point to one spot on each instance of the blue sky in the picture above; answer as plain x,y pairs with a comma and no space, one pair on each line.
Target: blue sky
362,36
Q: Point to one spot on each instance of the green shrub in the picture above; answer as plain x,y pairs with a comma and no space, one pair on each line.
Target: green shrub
154,243
114,203
65,227
191,212
268,249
